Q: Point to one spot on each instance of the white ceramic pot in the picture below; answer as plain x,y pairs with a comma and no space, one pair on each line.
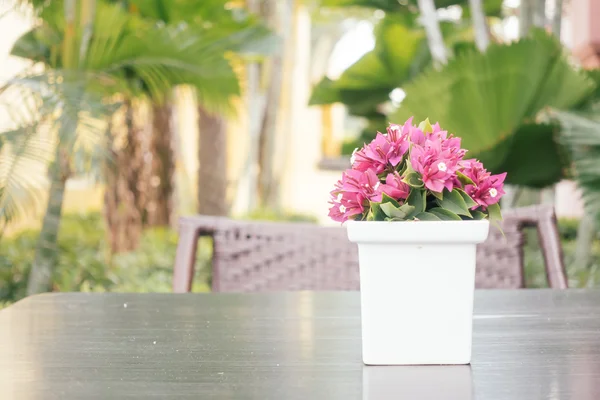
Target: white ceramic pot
417,281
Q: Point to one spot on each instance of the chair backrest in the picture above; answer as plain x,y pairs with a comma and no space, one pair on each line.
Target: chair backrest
251,256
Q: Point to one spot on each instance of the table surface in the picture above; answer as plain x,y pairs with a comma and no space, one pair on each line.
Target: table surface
527,344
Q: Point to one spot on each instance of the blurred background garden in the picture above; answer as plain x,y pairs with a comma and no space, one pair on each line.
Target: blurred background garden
119,116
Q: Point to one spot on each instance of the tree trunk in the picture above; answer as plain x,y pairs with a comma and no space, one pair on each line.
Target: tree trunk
88,12
280,19
482,37
267,194
126,189
161,189
585,238
212,157
46,252
525,17
539,13
438,50
256,99
557,18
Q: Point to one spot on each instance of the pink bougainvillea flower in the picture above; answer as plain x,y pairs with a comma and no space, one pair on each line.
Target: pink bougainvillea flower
417,136
398,137
474,170
430,152
437,166
352,194
394,187
385,150
374,156
487,189
364,182
345,206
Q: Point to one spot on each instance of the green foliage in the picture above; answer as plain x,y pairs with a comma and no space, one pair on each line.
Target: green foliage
578,276
490,100
147,57
581,134
427,216
444,214
366,85
84,263
369,81
424,205
144,52
568,227
454,202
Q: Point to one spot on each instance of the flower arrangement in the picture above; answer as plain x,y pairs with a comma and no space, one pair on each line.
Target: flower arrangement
415,174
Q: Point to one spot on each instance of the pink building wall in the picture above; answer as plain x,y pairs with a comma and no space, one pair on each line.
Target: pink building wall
585,22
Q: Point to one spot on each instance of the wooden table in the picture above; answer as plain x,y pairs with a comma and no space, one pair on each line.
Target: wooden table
528,344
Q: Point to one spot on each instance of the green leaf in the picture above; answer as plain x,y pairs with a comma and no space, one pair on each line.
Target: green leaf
478,215
416,198
581,134
438,195
397,212
387,199
408,169
427,216
468,200
368,82
444,214
534,156
454,202
413,180
486,98
465,180
425,126
376,214
494,212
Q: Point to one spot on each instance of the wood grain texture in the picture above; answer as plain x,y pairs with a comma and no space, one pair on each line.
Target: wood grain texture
528,344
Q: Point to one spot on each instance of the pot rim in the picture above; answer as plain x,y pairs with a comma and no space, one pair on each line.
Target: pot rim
418,232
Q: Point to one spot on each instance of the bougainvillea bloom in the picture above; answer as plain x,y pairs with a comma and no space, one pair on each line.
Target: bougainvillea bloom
376,155
487,189
436,166
394,187
406,159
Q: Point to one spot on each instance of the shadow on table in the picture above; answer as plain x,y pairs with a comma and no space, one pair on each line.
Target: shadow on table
417,382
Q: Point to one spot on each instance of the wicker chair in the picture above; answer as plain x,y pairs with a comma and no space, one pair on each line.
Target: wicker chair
250,256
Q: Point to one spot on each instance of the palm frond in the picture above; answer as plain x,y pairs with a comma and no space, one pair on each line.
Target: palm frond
23,157
46,110
152,59
492,100
581,134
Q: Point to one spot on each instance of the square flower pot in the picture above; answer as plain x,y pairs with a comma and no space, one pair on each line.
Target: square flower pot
417,281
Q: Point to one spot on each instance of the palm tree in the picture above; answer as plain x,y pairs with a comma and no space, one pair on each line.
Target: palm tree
79,66
240,32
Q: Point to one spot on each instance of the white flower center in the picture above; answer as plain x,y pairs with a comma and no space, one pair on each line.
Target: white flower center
493,192
376,186
442,167
342,208
353,156
339,197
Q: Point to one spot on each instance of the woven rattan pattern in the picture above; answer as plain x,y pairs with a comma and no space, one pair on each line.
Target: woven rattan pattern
251,256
